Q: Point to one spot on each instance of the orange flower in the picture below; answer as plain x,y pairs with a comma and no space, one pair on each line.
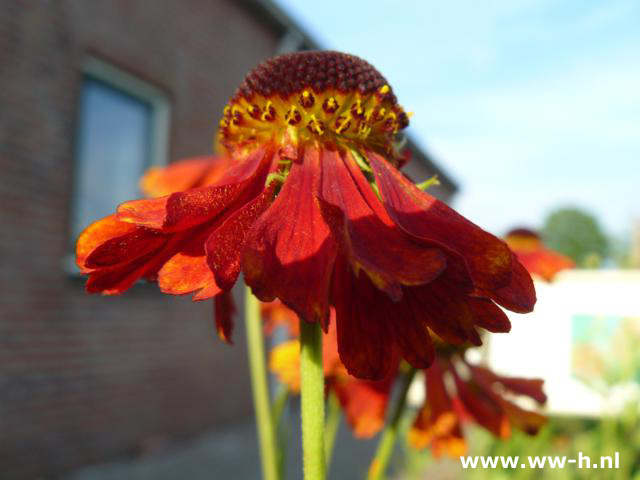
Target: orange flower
364,402
535,257
477,394
314,211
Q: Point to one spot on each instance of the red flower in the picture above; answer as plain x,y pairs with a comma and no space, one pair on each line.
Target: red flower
364,402
534,256
476,394
314,211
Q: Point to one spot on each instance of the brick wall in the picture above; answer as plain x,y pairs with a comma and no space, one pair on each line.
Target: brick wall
86,378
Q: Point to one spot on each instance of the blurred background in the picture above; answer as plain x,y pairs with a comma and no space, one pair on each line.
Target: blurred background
529,112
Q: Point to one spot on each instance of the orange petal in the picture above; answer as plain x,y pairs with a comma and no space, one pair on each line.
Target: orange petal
184,274
98,233
364,403
183,175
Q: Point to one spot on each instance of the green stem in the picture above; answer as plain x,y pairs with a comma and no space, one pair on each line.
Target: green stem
312,400
279,404
390,433
257,366
333,424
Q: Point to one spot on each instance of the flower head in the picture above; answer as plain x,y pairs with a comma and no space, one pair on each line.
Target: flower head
301,99
457,391
535,257
314,211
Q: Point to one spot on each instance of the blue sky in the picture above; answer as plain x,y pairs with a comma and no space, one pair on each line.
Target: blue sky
530,105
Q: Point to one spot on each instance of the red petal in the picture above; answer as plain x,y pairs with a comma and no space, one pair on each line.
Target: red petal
117,279
182,210
437,396
437,424
125,248
362,318
289,251
483,406
224,245
527,421
489,316
364,403
519,295
412,336
389,256
224,311
487,257
531,387
445,309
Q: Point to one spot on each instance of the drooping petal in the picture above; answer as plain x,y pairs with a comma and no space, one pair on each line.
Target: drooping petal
389,256
117,279
289,252
488,258
483,406
224,309
364,403
224,245
187,271
489,316
531,387
97,234
525,420
445,309
183,210
519,295
125,248
437,424
362,320
411,334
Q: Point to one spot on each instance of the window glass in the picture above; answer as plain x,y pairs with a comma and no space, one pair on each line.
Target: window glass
113,150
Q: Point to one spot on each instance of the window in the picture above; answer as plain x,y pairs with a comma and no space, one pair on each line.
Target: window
121,130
